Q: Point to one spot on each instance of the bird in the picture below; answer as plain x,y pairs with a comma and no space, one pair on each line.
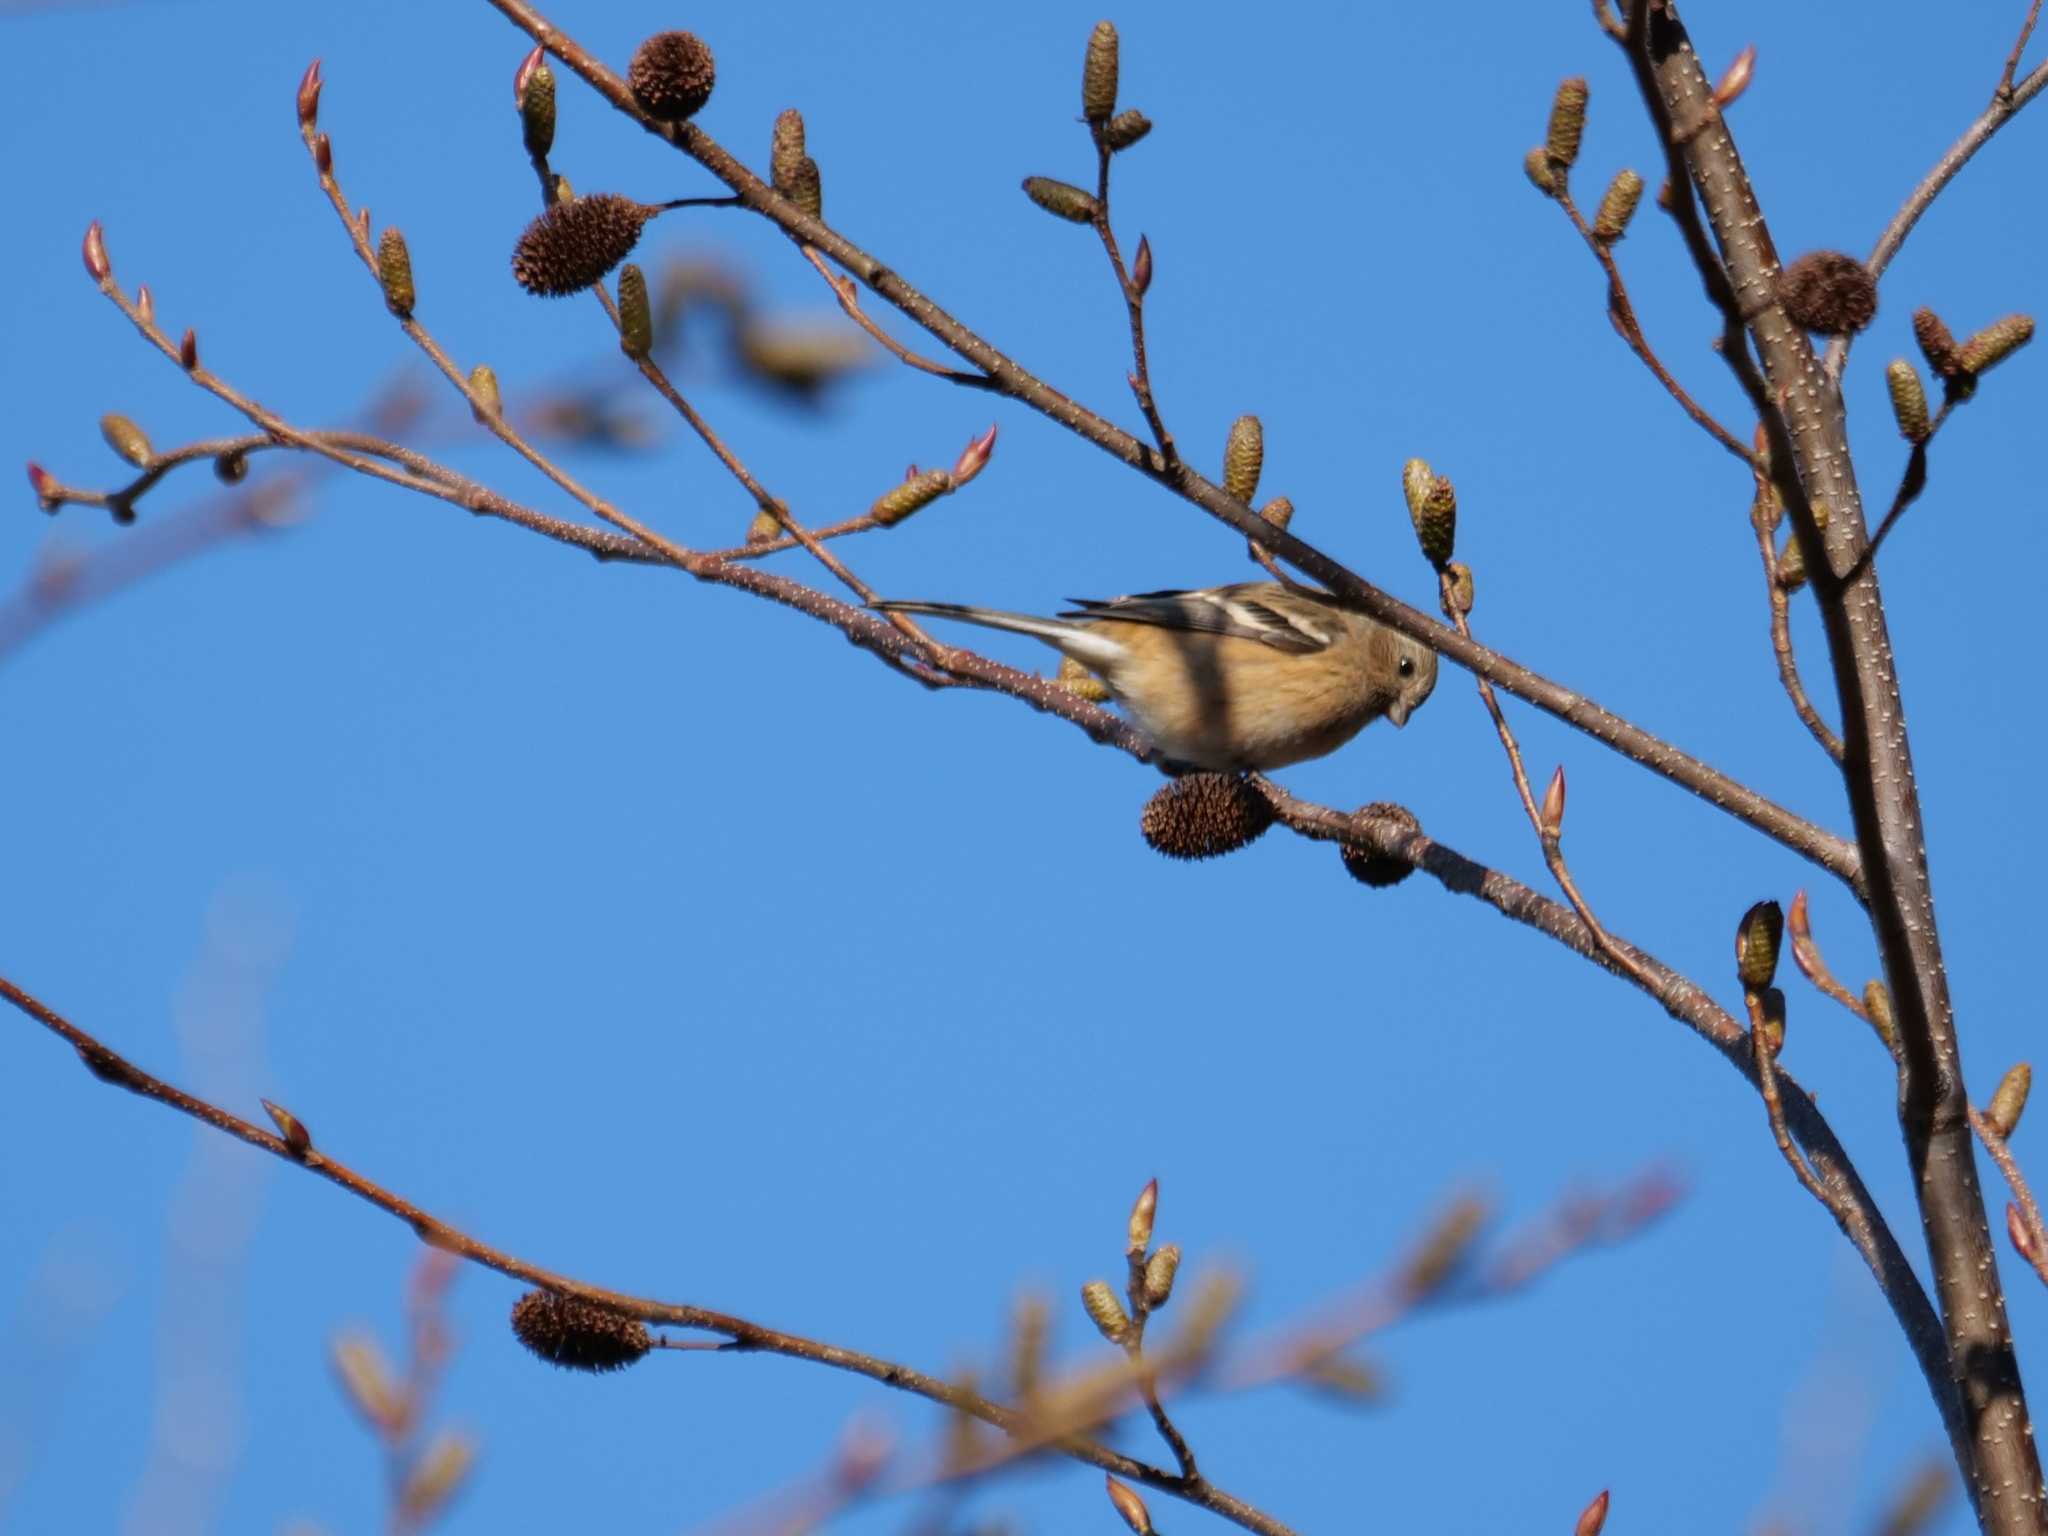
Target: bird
1245,677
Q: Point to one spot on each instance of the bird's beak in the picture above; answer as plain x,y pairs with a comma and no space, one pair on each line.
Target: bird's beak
1398,713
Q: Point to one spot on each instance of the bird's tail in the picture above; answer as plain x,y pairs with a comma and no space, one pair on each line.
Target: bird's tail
1075,640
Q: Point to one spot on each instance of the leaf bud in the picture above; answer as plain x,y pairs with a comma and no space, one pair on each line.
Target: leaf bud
2010,1101
369,1383
297,1139
1791,564
1143,1209
126,439
533,89
1457,583
974,457
1552,814
1104,1310
1567,123
1098,74
394,272
1061,200
1160,1271
1082,683
485,401
95,252
1244,455
1767,1019
1125,129
918,491
1909,400
1995,343
1125,1498
434,1478
1877,1002
636,318
1617,207
1757,939
1433,508
309,96
1937,344
1732,84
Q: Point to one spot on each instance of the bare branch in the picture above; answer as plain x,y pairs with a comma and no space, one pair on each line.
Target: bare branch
113,1068
1745,804
1812,465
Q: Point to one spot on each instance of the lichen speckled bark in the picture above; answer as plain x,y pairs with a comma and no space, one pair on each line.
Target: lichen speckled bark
2002,1469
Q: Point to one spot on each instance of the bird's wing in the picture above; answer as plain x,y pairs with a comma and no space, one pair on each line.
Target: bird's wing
1252,610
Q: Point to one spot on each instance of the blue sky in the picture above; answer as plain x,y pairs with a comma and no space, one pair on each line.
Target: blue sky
654,934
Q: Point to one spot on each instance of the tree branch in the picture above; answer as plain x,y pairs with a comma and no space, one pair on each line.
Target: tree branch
1822,847
113,1068
2006,102
1997,1455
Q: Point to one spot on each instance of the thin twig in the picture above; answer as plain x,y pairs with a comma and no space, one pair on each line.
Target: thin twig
1763,518
1546,834
1574,1227
1813,966
2036,1250
1860,1219
2006,102
110,1067
1138,1290
2012,60
848,294
1623,315
1774,1107
1134,301
1912,481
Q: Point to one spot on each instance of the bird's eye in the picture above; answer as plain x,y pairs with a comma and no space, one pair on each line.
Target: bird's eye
1407,666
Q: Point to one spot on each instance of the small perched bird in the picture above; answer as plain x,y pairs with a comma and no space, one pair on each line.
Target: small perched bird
1249,676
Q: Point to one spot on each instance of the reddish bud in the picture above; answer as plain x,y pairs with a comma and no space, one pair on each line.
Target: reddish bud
1795,921
188,350
1736,81
973,458
1141,266
95,249
1130,1506
46,487
296,1138
323,154
524,75
309,95
1593,1516
1142,1212
863,1455
1553,804
2016,1229
145,304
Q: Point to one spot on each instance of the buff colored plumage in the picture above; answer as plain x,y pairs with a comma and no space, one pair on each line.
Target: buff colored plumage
1249,676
